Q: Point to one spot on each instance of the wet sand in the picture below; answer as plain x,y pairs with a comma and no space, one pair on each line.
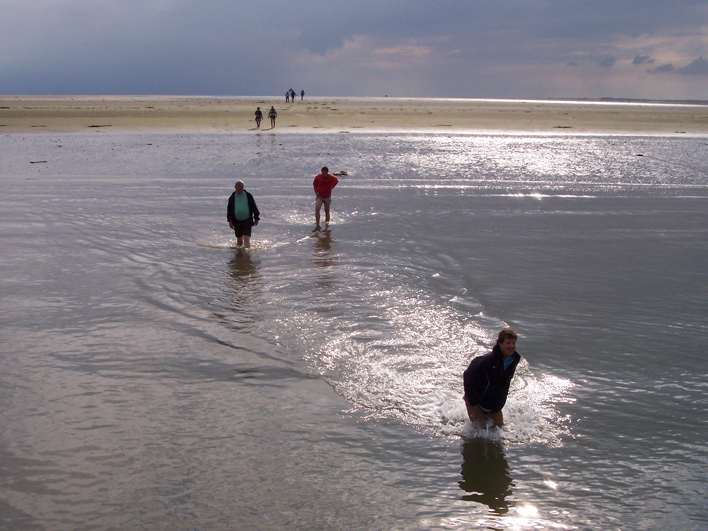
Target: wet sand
26,114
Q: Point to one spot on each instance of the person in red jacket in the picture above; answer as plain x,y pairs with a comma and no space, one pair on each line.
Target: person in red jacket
323,185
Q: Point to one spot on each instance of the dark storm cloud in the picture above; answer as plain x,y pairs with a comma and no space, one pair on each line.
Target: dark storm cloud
662,69
608,62
699,67
642,59
475,21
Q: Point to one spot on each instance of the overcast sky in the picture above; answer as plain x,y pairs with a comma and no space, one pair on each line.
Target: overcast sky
653,49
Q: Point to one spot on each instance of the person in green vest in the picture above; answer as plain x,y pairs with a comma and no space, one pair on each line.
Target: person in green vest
242,214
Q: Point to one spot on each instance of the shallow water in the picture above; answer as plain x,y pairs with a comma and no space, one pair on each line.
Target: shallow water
152,376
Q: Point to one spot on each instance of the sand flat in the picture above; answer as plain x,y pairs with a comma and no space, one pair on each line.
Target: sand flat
27,114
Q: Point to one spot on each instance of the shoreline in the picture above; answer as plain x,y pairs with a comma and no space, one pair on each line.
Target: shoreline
55,114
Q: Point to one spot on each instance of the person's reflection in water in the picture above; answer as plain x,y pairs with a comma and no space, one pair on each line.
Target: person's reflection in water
485,474
243,281
259,149
324,256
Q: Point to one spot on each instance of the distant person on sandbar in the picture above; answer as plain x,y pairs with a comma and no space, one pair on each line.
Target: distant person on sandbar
287,96
302,95
259,117
242,214
292,95
323,184
272,114
487,380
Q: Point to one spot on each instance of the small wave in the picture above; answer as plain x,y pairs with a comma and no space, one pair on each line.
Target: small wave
221,242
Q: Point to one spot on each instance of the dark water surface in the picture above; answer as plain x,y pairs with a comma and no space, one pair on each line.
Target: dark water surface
154,377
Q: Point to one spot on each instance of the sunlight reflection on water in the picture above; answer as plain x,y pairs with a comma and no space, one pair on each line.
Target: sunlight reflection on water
192,383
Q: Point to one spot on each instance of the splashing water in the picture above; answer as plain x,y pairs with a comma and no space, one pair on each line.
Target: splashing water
409,367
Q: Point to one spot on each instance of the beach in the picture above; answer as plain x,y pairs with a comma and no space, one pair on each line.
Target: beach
24,114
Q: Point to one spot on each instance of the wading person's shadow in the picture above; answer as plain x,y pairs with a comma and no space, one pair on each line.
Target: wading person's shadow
325,257
485,474
243,282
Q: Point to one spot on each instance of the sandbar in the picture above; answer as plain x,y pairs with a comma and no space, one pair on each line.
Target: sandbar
91,114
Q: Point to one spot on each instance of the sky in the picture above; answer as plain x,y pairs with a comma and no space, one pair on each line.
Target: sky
518,49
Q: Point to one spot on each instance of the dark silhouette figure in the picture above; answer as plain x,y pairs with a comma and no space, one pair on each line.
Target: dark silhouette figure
485,474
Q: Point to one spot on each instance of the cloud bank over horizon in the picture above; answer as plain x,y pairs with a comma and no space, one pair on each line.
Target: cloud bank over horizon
412,48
